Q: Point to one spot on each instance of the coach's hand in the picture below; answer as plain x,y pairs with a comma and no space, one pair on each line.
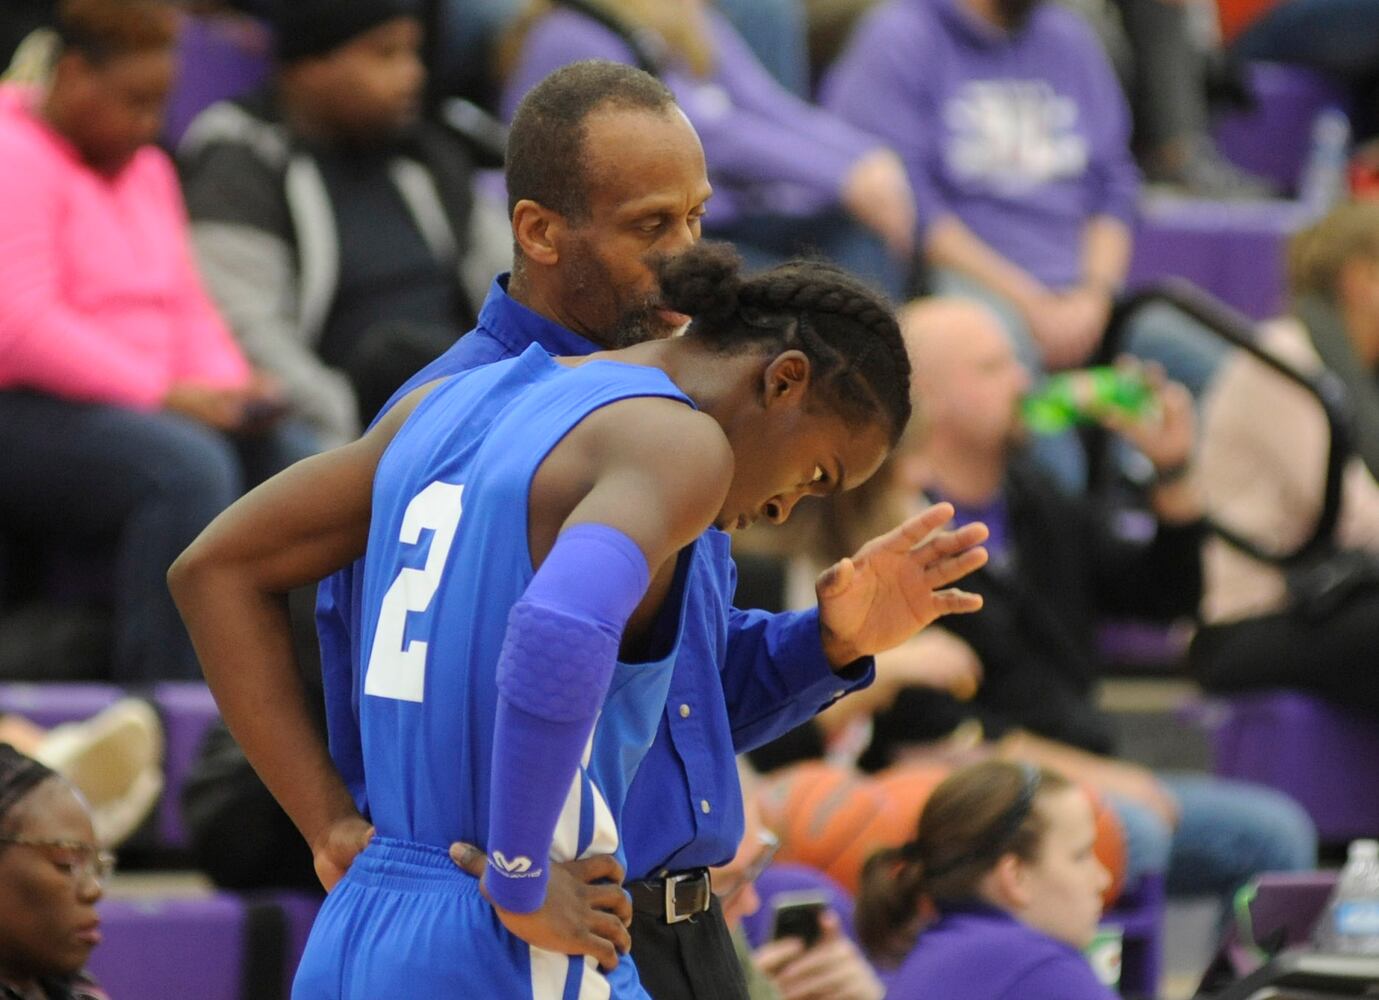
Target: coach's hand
897,584
586,911
337,846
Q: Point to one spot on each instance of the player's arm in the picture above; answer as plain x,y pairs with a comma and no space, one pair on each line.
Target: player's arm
645,501
231,585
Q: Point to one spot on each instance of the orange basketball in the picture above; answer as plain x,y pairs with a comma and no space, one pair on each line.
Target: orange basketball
833,819
1109,846
830,818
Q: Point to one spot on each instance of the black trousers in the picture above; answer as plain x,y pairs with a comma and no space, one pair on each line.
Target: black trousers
1333,657
691,960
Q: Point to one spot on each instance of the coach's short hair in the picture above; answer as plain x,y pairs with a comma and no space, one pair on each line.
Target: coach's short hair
545,159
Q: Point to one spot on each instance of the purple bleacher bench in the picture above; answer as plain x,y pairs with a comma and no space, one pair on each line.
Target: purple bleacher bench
219,56
188,711
1235,250
51,705
1272,139
1322,754
165,948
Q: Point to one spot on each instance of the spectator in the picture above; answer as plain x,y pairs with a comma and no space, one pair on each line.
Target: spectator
51,872
126,410
788,177
1057,565
335,228
1265,478
1004,852
786,969
1165,73
1016,138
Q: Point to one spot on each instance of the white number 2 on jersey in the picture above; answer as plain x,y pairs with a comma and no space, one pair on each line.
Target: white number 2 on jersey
395,670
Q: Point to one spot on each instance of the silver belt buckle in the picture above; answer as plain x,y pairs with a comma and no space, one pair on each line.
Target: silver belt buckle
673,914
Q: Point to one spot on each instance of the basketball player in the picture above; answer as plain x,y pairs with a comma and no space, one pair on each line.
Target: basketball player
534,565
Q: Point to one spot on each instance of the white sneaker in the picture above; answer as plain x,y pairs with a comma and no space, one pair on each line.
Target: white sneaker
115,760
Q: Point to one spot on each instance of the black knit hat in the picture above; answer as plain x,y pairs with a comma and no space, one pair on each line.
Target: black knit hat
19,775
305,28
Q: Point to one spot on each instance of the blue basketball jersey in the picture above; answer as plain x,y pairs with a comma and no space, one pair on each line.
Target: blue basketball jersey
447,558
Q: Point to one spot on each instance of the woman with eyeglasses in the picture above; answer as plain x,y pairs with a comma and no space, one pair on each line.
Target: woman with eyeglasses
51,874
787,968
996,896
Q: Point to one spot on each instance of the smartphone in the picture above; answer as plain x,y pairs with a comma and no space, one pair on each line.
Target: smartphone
798,915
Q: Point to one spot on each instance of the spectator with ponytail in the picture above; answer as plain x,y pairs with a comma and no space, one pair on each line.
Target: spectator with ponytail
995,896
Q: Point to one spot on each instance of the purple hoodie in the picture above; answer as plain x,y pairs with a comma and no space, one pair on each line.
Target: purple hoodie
1023,137
767,150
977,952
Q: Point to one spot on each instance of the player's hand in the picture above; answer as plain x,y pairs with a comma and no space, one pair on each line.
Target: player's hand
895,585
586,911
337,846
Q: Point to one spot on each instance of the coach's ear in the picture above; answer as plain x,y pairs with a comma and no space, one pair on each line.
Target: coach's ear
538,232
468,858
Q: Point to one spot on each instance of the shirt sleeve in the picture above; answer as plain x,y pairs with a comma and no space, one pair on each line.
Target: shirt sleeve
881,85
813,133
45,343
241,234
1113,179
206,351
776,675
554,41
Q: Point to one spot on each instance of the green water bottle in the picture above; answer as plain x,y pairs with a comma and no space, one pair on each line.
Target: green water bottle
1073,397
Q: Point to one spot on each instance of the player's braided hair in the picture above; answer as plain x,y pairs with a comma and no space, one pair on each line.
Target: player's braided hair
848,331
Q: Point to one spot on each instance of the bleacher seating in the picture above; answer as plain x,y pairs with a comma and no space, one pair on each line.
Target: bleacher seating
1322,754
1235,249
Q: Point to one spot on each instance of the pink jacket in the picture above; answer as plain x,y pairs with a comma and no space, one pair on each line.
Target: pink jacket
99,299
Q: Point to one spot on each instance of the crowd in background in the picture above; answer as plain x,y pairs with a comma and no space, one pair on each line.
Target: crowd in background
182,317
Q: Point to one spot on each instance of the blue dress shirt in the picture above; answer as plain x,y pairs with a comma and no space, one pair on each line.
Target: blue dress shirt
684,807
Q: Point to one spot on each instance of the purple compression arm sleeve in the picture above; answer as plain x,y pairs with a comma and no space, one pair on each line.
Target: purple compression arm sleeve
553,675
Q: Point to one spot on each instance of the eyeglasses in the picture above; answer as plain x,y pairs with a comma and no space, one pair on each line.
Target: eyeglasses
767,846
88,861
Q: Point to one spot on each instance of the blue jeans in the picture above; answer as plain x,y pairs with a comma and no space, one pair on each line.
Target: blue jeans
775,29
1229,832
1334,36
83,475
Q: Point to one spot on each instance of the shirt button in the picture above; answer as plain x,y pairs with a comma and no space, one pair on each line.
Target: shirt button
838,694
684,711
704,806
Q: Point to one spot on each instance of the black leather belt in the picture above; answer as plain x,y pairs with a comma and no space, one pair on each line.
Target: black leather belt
673,898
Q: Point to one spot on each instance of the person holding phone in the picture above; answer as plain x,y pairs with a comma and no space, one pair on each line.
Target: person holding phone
1004,855
810,956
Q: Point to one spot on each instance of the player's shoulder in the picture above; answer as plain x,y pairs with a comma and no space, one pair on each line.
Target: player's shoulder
665,431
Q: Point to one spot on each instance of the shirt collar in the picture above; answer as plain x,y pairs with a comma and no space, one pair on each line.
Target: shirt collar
517,327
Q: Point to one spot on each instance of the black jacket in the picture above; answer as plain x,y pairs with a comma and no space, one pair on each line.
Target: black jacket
1073,565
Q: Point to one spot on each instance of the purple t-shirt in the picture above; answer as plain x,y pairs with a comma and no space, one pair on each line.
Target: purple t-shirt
1023,137
767,150
977,952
